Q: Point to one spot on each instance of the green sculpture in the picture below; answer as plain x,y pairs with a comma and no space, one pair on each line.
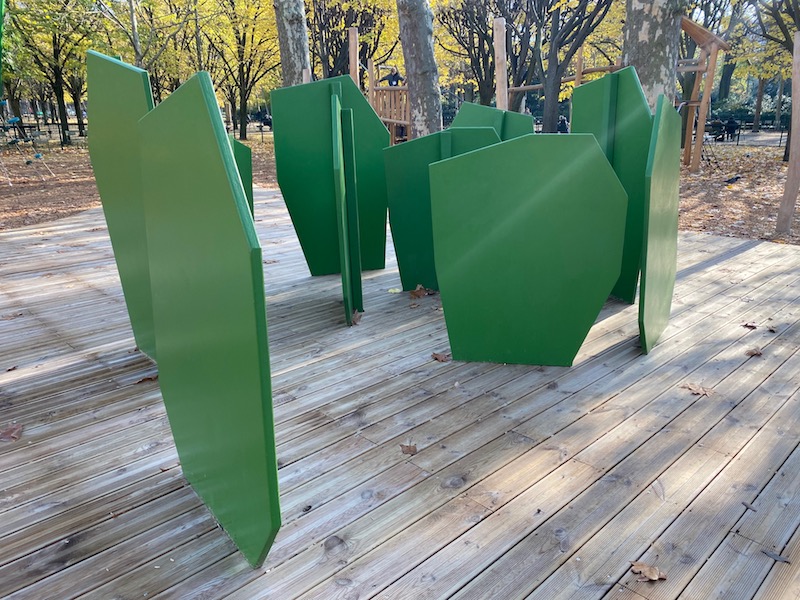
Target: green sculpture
526,251
209,314
507,124
408,186
304,161
615,110
119,95
244,165
660,253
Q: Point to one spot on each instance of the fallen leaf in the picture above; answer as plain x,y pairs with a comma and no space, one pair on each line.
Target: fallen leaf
749,325
421,291
749,506
698,390
754,352
394,290
414,305
410,449
658,488
442,357
647,572
9,369
148,378
9,317
11,433
356,317
771,329
777,557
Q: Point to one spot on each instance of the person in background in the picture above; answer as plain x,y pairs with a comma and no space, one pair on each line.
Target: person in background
563,125
393,78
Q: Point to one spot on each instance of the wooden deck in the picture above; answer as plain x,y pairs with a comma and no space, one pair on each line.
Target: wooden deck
529,482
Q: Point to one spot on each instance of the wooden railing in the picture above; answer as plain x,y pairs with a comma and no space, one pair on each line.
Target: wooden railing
391,105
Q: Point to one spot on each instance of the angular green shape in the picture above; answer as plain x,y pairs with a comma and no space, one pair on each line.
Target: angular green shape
615,110
660,254
304,161
408,186
506,123
244,164
119,95
210,316
351,201
526,252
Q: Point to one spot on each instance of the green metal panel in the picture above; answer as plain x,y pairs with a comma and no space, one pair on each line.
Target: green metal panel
119,95
210,316
507,124
244,164
615,110
351,205
526,252
303,157
661,225
408,185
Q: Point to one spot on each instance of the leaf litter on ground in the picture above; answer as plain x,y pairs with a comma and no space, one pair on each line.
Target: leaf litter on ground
647,572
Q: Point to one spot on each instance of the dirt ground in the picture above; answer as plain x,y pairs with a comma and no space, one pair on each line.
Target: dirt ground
712,200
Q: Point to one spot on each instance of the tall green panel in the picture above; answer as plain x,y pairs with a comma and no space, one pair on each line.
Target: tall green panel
408,186
351,207
119,95
507,124
660,225
615,110
244,165
304,161
526,252
210,316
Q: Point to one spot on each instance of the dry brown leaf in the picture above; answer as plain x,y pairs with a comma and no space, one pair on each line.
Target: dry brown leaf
414,305
11,433
754,352
356,317
442,357
749,325
421,291
148,378
647,572
410,449
777,557
698,390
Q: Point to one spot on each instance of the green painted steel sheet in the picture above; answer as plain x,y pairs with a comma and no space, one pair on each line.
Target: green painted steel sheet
119,95
210,316
615,110
526,251
304,162
659,260
507,124
351,208
408,186
244,165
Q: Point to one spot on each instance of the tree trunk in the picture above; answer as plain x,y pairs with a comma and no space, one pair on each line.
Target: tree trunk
58,90
725,78
759,103
779,102
416,33
242,102
290,16
651,44
552,82
76,103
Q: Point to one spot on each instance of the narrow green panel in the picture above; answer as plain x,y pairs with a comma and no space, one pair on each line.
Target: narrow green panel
661,225
351,204
340,190
210,315
615,110
303,157
507,124
244,164
526,252
408,183
119,95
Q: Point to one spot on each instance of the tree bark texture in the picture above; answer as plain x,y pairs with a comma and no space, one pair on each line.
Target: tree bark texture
290,16
416,36
779,102
651,44
759,104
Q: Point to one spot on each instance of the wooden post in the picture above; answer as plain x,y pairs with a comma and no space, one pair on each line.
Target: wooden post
691,110
352,38
703,112
786,210
371,82
500,62
579,66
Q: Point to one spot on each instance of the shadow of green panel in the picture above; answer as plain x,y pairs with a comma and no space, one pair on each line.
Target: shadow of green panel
304,162
659,260
120,95
408,187
210,317
615,110
506,123
526,252
244,165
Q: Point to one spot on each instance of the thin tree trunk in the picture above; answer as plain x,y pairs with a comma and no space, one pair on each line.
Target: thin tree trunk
242,102
651,44
725,78
759,104
552,81
290,16
58,90
416,32
779,102
76,103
